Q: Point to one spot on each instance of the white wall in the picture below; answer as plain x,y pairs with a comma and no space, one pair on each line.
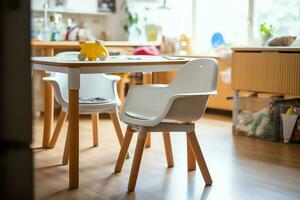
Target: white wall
114,23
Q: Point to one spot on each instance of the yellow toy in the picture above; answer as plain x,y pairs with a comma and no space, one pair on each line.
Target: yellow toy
92,51
184,44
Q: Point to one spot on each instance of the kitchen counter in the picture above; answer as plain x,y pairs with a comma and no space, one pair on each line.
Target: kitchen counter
266,49
75,44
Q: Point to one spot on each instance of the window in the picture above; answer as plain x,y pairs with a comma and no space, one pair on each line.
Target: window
284,15
239,20
173,16
229,17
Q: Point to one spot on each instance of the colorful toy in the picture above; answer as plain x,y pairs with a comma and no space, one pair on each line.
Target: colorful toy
92,51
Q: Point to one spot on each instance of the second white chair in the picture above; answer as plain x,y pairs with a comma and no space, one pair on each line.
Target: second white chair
97,94
166,108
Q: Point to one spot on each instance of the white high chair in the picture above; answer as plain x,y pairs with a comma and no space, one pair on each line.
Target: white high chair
98,94
164,108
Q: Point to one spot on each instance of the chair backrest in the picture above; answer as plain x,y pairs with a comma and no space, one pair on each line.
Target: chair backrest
91,85
198,76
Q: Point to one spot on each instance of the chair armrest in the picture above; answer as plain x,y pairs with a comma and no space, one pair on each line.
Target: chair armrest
180,95
49,79
113,77
111,82
52,81
57,90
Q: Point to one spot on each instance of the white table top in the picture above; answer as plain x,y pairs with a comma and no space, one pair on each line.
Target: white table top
115,64
111,61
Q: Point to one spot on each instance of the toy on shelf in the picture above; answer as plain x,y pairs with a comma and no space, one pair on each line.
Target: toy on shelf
92,51
184,45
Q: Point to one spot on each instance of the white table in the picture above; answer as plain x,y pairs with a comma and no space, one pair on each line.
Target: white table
115,64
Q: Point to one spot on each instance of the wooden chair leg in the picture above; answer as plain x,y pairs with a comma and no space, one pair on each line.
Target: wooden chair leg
191,162
60,121
168,149
124,149
137,160
116,121
148,140
66,150
48,108
192,139
95,123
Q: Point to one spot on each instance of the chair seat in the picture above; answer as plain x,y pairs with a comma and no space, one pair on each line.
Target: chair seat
167,126
94,100
138,116
88,108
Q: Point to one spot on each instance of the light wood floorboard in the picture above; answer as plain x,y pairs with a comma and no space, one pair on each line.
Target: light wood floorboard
240,167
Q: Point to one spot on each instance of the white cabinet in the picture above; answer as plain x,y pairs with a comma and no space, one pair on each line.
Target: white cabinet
86,6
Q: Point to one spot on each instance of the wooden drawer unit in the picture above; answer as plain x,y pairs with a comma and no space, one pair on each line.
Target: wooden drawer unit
265,69
273,72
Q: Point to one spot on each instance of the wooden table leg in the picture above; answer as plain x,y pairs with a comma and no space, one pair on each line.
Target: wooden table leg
147,79
48,106
74,85
73,139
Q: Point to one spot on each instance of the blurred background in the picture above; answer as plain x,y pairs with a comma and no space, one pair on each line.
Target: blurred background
149,20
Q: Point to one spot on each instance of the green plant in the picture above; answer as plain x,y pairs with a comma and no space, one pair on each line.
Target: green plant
132,19
266,30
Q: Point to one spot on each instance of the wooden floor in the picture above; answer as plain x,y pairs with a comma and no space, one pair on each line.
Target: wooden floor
241,167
